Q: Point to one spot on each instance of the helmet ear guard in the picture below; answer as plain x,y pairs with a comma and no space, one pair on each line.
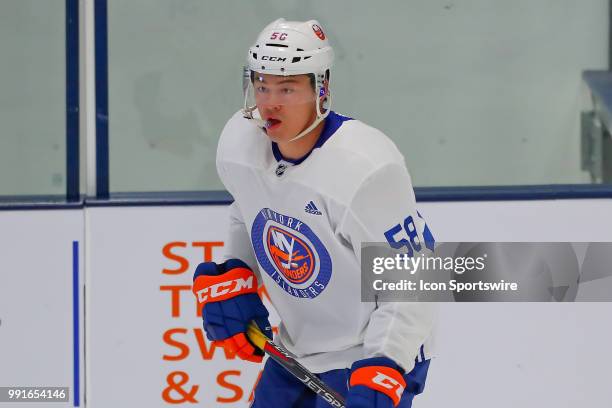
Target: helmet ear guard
290,48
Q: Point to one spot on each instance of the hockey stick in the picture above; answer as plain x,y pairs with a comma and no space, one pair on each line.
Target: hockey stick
282,356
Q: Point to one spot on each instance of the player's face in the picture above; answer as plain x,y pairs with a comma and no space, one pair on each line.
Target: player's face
287,103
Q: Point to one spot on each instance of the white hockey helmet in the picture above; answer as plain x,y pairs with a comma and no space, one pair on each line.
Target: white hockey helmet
290,48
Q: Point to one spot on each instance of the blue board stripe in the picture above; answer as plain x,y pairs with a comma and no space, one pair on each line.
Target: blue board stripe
101,68
75,323
220,197
72,100
511,193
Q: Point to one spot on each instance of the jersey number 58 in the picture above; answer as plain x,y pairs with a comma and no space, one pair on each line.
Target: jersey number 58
413,243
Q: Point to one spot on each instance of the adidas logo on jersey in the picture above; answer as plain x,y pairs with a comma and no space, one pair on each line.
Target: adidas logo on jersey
311,208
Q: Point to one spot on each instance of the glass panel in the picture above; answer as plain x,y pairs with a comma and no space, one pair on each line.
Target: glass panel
32,97
476,92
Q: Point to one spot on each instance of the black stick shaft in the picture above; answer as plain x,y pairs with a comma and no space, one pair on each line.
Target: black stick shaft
284,358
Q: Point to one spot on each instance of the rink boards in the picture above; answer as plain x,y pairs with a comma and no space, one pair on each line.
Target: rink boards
98,299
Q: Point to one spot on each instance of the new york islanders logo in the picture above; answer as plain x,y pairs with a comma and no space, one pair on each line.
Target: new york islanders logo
291,254
318,31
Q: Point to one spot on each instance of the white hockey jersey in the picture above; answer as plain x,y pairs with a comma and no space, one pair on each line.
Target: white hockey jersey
300,224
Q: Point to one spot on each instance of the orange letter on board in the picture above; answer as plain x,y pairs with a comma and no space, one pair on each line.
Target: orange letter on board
237,390
208,246
184,349
176,297
184,263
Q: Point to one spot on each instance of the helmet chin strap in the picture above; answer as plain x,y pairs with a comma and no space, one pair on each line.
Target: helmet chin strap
319,119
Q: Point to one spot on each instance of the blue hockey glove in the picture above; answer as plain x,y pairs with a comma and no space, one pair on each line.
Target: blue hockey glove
376,382
227,296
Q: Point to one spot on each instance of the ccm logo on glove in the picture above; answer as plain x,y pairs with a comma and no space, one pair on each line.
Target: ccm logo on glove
227,295
389,383
222,287
380,378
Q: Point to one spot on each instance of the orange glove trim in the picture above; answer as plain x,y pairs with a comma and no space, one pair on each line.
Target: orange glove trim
382,379
238,281
239,344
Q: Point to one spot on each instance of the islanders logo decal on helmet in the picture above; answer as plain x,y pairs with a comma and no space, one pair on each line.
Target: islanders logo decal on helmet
318,31
291,254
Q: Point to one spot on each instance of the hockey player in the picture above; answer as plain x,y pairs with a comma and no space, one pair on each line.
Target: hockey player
310,186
